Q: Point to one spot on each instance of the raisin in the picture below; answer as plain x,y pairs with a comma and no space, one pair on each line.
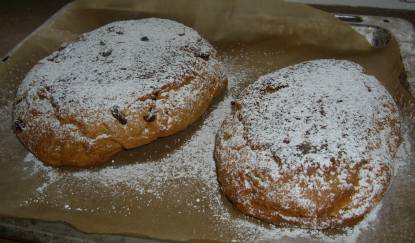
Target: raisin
150,117
236,105
19,125
42,93
322,112
54,57
271,89
204,56
155,95
324,146
117,114
54,103
306,148
276,158
106,53
368,88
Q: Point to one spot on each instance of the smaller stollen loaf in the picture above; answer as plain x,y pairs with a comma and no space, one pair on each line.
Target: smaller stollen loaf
310,146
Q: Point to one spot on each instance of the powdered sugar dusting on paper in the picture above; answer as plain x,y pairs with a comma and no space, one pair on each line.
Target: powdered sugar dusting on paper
194,159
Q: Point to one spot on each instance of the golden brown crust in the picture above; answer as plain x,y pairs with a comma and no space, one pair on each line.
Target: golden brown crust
65,128
309,146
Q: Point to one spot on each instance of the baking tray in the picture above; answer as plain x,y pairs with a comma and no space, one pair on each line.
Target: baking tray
395,210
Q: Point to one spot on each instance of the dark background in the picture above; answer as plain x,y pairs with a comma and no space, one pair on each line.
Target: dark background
18,18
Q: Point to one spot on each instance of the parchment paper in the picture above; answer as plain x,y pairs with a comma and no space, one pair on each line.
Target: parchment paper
168,189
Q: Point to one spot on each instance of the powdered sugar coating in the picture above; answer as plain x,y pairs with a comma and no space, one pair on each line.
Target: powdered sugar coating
125,71
310,145
117,63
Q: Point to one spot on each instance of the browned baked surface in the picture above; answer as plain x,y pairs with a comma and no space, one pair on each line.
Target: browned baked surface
118,87
310,146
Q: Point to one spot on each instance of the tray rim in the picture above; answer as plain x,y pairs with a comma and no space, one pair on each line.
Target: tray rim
19,223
